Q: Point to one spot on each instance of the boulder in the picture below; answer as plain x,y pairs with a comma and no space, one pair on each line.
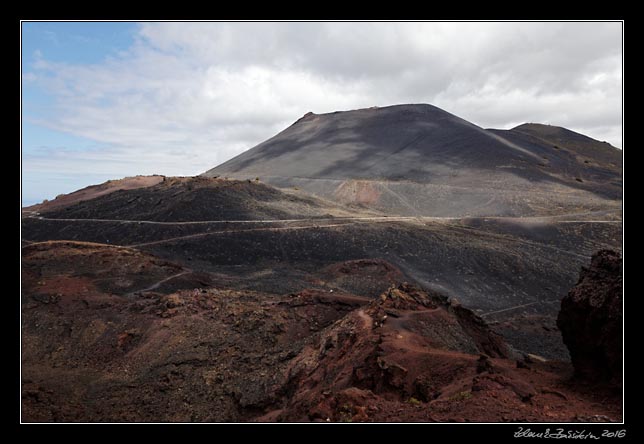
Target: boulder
590,319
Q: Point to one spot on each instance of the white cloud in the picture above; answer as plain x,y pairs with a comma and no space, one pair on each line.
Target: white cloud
187,96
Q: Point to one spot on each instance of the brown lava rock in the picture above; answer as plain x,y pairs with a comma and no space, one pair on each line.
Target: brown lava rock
590,319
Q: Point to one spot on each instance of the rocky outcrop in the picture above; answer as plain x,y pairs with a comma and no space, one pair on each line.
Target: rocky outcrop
590,319
405,347
111,334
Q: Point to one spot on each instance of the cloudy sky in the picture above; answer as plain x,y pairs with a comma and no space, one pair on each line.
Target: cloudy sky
108,100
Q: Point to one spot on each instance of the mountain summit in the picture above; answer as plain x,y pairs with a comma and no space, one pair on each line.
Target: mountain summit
421,160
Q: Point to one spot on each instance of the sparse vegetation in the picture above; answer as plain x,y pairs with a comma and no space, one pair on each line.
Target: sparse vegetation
461,396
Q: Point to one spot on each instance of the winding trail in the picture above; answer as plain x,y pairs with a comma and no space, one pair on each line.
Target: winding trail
323,223
518,306
550,219
254,221
209,233
159,283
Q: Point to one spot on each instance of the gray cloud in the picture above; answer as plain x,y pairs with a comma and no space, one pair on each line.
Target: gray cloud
187,96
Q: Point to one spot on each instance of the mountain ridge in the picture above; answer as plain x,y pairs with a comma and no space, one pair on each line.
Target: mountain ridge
382,150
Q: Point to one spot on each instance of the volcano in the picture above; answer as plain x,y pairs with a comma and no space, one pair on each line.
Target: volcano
422,161
393,264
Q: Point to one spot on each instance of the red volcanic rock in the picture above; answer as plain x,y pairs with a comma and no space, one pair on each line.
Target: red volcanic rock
112,334
590,319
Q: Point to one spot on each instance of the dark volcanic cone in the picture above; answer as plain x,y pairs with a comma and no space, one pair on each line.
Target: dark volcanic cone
421,160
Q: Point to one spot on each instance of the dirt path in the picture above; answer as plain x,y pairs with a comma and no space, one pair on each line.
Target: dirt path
256,221
517,240
159,283
483,315
321,224
401,199
550,219
193,236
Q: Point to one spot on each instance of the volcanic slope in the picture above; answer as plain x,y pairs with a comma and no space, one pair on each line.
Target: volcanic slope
512,271
421,160
115,334
233,300
94,191
188,199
